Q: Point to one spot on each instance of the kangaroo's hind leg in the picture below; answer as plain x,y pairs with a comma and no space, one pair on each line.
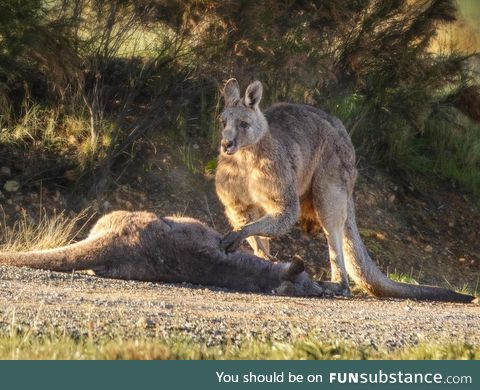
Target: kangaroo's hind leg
330,203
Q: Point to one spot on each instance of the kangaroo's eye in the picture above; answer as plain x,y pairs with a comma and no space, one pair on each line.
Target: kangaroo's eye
244,125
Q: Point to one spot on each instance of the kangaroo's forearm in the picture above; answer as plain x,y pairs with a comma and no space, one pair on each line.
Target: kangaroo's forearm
271,225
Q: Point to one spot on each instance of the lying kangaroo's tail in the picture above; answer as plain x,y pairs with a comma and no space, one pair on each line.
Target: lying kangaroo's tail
366,273
82,255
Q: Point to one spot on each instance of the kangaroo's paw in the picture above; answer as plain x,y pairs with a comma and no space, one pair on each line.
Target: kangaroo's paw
231,241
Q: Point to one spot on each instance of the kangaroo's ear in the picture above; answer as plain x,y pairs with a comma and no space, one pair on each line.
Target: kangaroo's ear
297,266
231,93
253,94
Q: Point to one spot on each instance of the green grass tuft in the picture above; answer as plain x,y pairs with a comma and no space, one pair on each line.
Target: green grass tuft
57,346
402,277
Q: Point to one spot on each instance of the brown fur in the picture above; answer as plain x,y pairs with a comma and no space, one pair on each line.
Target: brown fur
141,246
293,162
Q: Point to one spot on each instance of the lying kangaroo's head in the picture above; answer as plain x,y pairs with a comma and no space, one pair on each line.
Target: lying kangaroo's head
296,282
243,122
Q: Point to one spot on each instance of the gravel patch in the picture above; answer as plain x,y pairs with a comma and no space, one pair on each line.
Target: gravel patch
79,304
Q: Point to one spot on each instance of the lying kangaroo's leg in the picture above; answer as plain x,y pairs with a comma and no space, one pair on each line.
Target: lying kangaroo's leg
330,203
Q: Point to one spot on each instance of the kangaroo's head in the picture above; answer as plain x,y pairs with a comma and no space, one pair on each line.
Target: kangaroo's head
243,122
296,282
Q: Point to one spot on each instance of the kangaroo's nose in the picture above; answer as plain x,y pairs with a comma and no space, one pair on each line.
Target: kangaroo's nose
228,146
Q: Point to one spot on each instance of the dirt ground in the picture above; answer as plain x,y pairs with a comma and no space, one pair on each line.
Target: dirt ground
85,305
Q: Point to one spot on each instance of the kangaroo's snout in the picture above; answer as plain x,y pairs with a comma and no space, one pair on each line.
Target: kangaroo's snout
229,146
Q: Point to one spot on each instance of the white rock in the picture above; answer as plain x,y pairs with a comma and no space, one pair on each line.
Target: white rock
11,185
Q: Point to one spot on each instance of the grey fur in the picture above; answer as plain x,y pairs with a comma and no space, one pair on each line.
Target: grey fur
141,246
293,162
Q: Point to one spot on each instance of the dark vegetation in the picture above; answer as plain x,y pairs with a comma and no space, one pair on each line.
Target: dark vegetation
85,83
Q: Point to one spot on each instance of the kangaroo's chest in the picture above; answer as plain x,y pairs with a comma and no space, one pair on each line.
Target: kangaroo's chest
241,185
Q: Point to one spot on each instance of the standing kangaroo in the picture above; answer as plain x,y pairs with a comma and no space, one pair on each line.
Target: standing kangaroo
293,162
141,246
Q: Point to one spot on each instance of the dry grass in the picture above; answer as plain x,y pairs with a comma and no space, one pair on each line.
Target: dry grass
49,231
56,131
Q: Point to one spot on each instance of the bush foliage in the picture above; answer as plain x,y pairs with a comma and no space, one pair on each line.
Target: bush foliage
85,80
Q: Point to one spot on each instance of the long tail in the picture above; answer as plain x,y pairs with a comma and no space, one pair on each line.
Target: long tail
367,274
86,254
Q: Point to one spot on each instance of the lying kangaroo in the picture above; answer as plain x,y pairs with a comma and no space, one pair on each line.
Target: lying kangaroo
141,246
295,161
